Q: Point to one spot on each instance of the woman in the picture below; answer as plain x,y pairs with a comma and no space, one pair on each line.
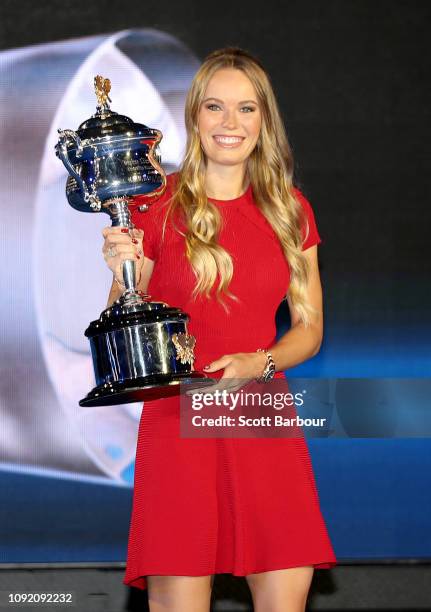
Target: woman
227,242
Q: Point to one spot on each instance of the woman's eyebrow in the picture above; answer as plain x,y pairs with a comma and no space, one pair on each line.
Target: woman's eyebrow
241,102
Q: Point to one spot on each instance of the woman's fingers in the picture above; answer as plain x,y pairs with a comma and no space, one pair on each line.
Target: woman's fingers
138,235
137,239
113,231
120,246
123,249
114,237
119,231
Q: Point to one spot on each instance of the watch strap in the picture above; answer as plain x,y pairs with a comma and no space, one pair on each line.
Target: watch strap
269,371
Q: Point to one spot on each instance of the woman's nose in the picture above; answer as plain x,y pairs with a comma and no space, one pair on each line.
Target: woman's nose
230,120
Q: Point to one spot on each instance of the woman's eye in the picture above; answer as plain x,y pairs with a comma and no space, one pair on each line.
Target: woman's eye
244,109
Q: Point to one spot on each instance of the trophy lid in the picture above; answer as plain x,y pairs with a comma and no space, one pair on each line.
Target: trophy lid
106,122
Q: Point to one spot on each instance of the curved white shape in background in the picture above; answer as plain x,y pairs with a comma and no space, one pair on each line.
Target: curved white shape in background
47,87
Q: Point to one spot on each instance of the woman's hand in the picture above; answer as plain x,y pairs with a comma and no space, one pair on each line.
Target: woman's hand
120,245
239,369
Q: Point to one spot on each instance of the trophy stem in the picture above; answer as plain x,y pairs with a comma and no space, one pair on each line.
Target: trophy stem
118,210
129,274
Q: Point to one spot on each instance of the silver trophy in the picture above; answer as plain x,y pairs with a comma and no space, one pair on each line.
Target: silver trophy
140,349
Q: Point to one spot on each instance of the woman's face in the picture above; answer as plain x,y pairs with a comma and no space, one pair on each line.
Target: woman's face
230,118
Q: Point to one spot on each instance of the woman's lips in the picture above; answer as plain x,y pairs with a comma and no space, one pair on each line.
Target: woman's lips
229,142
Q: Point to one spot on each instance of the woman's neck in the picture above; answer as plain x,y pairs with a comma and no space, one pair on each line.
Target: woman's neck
225,182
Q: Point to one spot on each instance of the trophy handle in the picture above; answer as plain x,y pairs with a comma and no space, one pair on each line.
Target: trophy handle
65,136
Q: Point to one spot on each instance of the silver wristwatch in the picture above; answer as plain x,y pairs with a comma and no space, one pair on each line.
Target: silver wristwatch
269,371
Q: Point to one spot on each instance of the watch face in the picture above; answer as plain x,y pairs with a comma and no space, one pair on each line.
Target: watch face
269,375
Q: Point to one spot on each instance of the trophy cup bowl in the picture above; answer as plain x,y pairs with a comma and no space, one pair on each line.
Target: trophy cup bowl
140,349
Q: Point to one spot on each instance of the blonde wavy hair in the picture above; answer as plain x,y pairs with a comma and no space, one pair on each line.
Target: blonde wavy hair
269,170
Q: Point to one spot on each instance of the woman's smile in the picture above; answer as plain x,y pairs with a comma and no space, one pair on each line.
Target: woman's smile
228,142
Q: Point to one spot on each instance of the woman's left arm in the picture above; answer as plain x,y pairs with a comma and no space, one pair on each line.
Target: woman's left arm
301,343
297,345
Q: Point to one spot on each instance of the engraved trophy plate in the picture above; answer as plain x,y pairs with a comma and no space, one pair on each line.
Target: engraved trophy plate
140,349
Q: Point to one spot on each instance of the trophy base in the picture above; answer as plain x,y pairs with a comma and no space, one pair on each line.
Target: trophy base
155,386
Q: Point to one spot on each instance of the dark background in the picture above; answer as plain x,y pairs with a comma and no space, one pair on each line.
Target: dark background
352,79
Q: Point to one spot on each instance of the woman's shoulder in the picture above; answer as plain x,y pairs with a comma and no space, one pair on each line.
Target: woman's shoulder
171,181
310,232
307,209
148,215
157,201
153,207
301,197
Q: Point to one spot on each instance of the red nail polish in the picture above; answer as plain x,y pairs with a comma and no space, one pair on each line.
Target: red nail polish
138,256
134,241
125,230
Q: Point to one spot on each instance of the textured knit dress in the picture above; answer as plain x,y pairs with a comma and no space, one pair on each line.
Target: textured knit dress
221,505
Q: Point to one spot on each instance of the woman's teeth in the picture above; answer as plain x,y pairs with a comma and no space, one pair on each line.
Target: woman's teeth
228,140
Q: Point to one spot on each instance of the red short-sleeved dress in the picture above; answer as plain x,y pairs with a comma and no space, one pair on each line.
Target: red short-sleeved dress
222,505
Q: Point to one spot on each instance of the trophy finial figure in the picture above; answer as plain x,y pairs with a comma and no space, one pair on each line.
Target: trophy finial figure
102,88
